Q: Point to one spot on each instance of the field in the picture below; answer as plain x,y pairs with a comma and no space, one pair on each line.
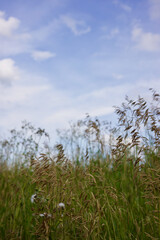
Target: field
96,193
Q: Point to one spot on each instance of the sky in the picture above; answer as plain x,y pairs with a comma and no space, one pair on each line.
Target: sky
61,59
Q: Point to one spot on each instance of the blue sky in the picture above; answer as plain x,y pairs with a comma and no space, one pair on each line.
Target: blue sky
61,59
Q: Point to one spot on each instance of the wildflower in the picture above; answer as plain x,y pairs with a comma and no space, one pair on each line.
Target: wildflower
33,198
45,214
42,214
61,205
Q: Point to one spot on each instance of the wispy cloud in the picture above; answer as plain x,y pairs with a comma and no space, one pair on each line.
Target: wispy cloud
63,116
42,55
117,76
146,41
123,6
24,100
126,7
42,33
14,41
78,27
110,35
154,9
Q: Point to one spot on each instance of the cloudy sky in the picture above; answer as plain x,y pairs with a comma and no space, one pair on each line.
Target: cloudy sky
60,59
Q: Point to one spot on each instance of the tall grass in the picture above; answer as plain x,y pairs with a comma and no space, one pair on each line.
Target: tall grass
97,195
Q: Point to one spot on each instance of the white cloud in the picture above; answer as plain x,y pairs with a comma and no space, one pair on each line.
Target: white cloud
21,86
8,71
15,44
154,9
68,114
42,55
101,111
12,39
65,115
19,94
107,96
78,27
2,14
7,27
20,102
36,100
146,41
21,99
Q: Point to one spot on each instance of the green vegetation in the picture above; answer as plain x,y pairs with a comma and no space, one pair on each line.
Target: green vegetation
92,190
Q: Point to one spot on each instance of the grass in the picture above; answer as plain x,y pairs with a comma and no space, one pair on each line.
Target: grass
115,196
100,203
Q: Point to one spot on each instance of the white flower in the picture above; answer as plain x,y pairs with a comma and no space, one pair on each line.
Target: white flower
42,214
61,205
45,214
33,197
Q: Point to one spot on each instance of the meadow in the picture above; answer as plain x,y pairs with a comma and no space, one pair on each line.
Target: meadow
84,188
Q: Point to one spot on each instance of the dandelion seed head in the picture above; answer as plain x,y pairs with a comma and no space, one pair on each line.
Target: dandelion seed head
33,197
61,205
45,214
42,214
